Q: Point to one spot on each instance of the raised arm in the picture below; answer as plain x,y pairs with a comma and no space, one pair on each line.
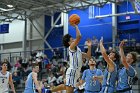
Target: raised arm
78,38
88,54
105,56
11,84
123,58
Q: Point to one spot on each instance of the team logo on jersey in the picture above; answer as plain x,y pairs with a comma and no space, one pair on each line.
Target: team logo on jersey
3,77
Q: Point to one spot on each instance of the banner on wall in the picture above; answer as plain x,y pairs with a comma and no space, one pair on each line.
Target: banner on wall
4,28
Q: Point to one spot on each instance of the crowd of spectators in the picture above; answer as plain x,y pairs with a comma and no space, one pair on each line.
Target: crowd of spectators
54,69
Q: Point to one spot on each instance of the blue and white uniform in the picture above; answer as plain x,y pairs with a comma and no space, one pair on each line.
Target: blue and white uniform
30,85
75,64
109,81
92,86
4,82
124,78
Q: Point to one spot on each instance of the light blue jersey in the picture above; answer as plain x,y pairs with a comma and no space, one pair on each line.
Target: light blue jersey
91,85
30,85
124,78
109,81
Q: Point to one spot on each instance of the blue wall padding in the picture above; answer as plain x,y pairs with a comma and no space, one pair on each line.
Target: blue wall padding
55,37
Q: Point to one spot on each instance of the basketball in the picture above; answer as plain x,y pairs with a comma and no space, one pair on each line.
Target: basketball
74,19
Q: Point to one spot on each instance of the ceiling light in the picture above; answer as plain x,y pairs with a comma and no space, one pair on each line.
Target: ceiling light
10,6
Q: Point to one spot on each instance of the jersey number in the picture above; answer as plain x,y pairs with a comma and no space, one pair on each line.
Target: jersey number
2,80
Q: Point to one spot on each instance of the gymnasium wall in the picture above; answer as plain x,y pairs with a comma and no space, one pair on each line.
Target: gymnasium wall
16,28
12,41
128,25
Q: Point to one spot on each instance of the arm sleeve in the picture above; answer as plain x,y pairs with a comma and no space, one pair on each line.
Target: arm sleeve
131,71
84,75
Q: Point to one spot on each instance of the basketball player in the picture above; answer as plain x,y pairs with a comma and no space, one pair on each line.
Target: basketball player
110,73
127,72
75,63
5,78
93,78
32,84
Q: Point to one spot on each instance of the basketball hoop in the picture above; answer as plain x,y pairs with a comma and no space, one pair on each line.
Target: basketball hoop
137,2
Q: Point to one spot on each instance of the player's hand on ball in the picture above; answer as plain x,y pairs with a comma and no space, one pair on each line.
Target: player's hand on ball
74,25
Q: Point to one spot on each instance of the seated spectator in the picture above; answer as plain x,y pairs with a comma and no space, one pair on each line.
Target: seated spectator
26,70
33,55
54,61
85,45
61,75
46,60
46,63
19,59
17,65
39,60
16,79
30,66
39,54
60,79
52,80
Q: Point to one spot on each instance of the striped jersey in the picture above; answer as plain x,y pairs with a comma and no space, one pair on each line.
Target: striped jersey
4,80
75,58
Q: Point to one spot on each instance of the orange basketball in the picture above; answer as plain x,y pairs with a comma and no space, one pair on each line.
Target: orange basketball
74,19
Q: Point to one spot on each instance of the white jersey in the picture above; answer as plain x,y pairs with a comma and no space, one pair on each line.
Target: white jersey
75,58
75,64
4,80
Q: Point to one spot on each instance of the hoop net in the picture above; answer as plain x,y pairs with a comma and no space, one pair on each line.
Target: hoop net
136,4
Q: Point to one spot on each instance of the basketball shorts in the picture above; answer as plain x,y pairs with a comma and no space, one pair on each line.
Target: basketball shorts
72,76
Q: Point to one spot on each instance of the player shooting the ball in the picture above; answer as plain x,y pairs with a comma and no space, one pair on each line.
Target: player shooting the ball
75,61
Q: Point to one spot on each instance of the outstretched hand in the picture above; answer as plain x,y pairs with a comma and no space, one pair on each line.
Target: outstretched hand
101,40
121,44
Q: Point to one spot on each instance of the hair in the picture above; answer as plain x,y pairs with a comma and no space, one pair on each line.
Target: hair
34,65
117,56
66,39
93,58
134,56
4,63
